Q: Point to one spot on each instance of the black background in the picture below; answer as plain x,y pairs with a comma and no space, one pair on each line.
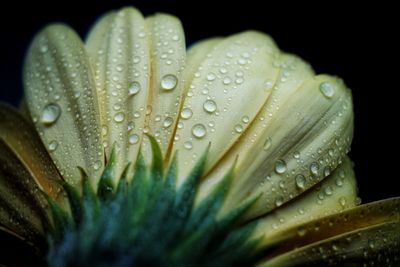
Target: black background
357,43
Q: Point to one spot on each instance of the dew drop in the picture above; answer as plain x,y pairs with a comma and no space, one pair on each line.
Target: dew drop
267,144
211,76
44,48
133,139
314,168
50,114
328,190
342,201
280,166
245,119
296,154
279,201
186,113
226,81
169,82
300,181
199,130
134,88
301,231
210,106
188,145
238,128
327,89
53,145
168,122
119,117
97,165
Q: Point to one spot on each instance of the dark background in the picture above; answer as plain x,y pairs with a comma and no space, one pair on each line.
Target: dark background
357,43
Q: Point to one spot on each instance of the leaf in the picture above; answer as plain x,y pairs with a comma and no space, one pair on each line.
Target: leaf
62,100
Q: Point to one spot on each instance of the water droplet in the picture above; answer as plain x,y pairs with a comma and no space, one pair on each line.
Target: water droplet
169,82
119,117
238,128
296,154
267,144
199,130
280,166
136,59
279,201
339,182
133,139
301,231
314,168
186,113
210,106
44,48
211,76
328,190
134,88
50,114
226,81
300,181
245,119
77,94
327,89
175,38
168,122
342,201
188,145
97,165
53,145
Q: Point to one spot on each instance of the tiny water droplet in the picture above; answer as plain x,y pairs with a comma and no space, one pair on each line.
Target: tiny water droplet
50,114
186,113
245,119
211,76
119,117
327,89
168,122
210,106
53,145
342,201
267,144
314,168
279,201
280,166
133,139
301,231
238,128
296,154
300,181
188,145
328,190
169,82
134,88
97,165
199,130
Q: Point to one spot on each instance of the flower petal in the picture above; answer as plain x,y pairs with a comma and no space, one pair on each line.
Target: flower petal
168,53
228,87
119,50
334,194
308,134
62,100
22,139
363,234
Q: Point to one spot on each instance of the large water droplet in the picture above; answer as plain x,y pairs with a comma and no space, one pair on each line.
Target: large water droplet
50,114
133,139
119,117
168,122
53,145
300,181
199,130
280,166
186,113
210,106
169,82
327,89
134,88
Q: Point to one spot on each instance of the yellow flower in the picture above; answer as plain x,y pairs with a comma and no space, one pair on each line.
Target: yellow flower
131,151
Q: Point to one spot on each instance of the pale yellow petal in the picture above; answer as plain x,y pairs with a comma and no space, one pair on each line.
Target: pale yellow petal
118,47
168,53
360,235
334,194
60,93
229,87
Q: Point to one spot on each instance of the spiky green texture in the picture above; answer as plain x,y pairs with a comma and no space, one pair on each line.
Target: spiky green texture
148,222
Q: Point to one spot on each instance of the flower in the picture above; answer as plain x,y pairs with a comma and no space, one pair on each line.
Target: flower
130,152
